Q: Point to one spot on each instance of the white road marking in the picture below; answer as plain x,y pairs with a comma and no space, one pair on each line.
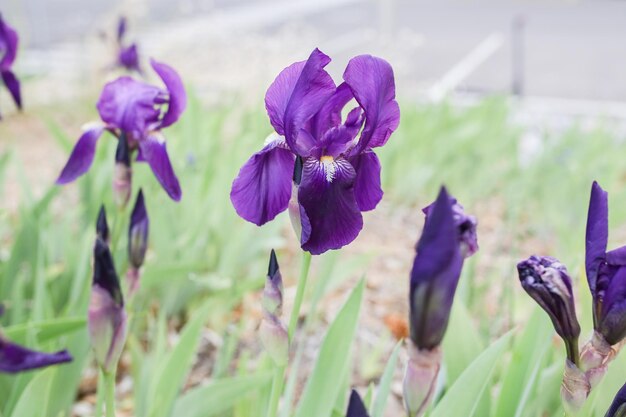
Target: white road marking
466,66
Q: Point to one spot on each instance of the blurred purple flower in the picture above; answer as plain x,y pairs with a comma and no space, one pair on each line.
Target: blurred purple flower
467,227
138,232
107,316
435,274
8,52
340,175
546,280
128,55
15,358
356,408
273,332
618,406
136,112
606,271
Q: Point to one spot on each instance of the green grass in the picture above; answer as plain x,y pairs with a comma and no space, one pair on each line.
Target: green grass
204,260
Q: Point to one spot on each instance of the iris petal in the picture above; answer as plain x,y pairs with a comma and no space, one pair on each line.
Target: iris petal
611,320
15,358
82,155
178,97
154,151
296,95
372,83
262,188
9,37
327,195
597,233
367,188
13,85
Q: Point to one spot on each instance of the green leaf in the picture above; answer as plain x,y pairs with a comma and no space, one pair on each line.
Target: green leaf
45,330
461,332
171,375
332,363
463,397
218,396
34,400
384,386
526,362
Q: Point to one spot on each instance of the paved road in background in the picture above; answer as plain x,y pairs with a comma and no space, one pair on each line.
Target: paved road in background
570,49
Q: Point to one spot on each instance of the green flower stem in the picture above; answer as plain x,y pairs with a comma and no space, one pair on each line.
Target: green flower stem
99,394
279,374
109,382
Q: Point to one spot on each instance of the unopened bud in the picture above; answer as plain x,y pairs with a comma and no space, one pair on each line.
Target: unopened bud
294,209
420,378
102,227
273,332
138,232
122,173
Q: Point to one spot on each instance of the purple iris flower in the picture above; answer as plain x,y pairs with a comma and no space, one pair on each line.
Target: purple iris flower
136,112
435,274
546,280
356,408
8,52
340,174
606,271
618,406
128,56
15,358
107,316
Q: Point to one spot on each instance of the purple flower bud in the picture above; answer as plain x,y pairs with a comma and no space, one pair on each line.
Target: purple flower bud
294,208
138,233
15,358
435,274
107,317
618,406
606,271
467,227
273,332
356,408
420,379
122,173
546,280
102,227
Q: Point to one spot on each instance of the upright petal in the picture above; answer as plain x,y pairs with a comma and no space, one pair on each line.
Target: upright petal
327,195
296,95
372,83
154,151
262,188
82,155
597,233
130,105
129,58
177,101
435,275
356,408
330,114
367,189
15,358
13,85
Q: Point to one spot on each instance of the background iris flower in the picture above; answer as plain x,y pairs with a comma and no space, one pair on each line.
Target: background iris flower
136,112
340,174
8,52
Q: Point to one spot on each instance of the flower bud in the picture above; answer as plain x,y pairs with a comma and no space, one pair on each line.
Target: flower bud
435,275
102,227
107,317
546,280
138,233
575,387
466,225
273,332
420,378
618,406
356,408
122,173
